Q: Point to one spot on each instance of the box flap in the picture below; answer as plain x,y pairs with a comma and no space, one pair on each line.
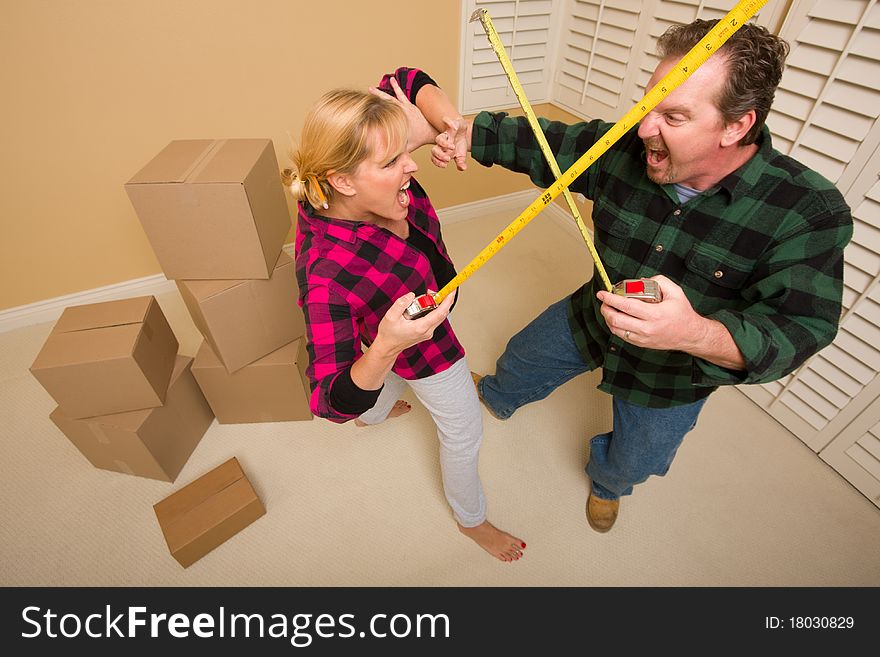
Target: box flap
284,260
196,492
286,355
174,162
95,345
232,161
205,289
99,315
206,357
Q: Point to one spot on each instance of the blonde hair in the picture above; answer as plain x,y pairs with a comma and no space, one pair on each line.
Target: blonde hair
336,137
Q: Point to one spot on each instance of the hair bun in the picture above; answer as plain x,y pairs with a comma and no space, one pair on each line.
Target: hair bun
290,180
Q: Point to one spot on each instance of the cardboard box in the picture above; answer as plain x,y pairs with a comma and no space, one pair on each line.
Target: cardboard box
108,357
213,208
246,320
154,442
202,515
272,389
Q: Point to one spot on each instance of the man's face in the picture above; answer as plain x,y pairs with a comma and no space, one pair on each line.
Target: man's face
683,133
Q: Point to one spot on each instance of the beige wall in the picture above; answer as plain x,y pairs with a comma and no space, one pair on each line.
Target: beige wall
94,88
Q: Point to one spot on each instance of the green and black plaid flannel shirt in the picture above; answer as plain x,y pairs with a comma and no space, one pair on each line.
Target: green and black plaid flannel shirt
761,252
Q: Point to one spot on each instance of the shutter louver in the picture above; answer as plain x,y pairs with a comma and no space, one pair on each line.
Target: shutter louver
829,97
857,456
524,27
594,61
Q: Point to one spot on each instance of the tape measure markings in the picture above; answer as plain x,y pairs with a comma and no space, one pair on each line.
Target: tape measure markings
713,40
495,41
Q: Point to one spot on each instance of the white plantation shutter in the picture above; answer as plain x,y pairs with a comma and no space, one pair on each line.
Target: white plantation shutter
826,116
526,30
667,12
834,398
592,57
828,101
593,65
606,54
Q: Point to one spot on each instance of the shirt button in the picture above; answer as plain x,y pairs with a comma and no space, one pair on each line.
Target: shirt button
719,274
612,348
658,248
677,211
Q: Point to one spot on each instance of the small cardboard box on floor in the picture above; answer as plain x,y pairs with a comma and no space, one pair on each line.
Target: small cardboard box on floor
108,357
272,389
154,442
244,320
207,512
213,209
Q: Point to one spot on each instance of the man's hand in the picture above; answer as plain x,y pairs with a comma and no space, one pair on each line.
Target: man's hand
451,144
672,324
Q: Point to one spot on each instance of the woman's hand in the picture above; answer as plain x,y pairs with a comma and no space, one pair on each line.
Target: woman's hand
420,131
397,333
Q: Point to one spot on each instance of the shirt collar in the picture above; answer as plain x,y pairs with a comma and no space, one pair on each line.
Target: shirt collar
740,182
340,229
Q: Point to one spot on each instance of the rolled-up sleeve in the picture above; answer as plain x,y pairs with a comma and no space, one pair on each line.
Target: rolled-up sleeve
410,80
797,305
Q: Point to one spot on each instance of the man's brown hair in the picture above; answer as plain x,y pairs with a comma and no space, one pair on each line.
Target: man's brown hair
755,59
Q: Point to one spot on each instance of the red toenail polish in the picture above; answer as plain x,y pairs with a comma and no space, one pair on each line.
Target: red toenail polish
523,544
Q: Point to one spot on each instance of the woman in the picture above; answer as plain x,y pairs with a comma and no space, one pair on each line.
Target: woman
367,241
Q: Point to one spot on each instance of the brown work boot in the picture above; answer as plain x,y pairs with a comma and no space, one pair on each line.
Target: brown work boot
601,514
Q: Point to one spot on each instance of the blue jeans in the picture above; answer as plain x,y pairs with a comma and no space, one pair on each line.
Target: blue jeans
542,357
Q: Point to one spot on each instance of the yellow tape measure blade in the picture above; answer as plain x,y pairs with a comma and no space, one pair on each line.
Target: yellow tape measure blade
714,39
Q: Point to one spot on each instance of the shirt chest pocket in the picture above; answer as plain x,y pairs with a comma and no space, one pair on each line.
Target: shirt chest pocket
613,232
716,276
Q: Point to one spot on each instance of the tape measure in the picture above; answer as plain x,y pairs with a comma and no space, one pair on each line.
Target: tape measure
482,15
713,40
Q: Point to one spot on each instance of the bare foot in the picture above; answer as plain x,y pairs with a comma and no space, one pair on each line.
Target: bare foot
400,407
499,544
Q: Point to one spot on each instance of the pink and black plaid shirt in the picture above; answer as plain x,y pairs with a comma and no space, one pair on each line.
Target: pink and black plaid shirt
349,275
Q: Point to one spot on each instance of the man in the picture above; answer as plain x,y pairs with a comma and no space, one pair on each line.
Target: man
745,243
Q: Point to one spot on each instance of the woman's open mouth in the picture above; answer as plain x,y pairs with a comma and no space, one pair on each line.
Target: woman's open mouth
403,195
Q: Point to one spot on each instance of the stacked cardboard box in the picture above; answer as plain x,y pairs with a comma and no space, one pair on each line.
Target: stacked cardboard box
215,214
126,399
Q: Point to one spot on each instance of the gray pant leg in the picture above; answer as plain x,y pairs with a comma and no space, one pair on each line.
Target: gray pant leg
451,399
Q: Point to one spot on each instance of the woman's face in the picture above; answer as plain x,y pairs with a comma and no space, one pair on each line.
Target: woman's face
382,180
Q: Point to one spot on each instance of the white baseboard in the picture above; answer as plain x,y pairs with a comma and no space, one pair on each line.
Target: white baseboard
510,203
51,309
